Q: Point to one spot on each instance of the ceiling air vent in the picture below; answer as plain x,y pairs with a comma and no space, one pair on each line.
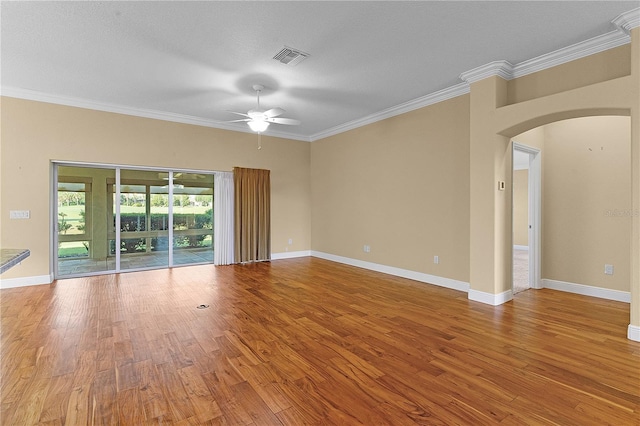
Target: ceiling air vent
290,56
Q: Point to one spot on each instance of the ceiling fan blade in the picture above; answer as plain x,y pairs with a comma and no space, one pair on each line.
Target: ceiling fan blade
274,112
239,113
244,120
289,121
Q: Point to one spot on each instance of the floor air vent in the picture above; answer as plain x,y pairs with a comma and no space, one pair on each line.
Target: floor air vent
290,56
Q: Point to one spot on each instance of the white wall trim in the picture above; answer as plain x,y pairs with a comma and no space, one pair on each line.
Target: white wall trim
32,95
519,247
633,333
587,290
398,272
290,254
618,37
579,50
535,212
26,281
490,298
502,69
628,20
430,99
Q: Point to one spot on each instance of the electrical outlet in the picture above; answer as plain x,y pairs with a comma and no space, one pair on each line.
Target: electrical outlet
366,249
19,214
608,269
436,259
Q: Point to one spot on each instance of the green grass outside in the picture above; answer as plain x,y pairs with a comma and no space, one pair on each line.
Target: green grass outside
72,249
73,215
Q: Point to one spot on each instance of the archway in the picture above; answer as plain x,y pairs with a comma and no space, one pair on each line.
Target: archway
586,247
494,119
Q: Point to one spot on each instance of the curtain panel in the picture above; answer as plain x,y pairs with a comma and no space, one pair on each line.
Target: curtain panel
223,219
252,205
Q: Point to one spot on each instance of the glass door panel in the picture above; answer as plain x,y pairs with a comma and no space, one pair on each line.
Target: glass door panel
144,230
192,218
83,220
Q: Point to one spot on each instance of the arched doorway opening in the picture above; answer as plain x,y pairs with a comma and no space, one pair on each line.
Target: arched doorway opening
585,242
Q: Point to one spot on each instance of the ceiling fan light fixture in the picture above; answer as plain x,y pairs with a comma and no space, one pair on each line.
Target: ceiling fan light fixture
259,119
258,125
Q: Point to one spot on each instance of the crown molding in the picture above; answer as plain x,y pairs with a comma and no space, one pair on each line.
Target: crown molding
628,20
430,99
579,50
502,69
33,95
624,23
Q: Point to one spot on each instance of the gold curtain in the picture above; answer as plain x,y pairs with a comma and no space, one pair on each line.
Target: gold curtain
252,214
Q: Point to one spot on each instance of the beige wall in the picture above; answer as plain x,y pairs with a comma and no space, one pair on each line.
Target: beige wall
521,207
587,202
401,186
34,133
412,186
585,199
498,112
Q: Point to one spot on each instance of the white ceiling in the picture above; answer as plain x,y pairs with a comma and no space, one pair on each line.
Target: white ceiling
192,61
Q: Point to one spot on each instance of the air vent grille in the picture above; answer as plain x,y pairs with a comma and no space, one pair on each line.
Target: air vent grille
290,56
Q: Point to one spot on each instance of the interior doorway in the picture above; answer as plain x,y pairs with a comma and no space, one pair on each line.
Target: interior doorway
526,213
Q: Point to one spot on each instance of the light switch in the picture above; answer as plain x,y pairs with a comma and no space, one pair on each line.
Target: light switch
19,214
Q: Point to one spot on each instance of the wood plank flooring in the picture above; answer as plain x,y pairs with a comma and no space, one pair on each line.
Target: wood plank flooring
309,342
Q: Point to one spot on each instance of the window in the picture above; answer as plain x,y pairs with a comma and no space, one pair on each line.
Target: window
73,239
150,216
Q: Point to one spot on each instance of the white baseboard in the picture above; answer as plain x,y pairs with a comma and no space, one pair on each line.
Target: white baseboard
26,281
633,333
398,272
519,247
587,290
290,254
490,298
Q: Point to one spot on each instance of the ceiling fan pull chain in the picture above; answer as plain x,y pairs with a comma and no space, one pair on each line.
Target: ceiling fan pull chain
259,140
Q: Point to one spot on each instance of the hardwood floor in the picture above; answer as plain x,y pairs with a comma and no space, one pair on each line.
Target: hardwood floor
307,341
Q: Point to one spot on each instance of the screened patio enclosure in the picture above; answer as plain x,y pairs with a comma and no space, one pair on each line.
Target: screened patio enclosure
112,219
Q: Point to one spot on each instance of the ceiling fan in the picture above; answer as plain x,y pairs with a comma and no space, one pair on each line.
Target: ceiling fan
258,120
181,175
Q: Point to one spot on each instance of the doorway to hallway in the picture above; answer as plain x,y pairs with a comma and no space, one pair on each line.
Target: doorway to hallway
526,212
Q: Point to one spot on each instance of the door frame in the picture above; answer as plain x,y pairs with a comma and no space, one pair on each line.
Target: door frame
535,212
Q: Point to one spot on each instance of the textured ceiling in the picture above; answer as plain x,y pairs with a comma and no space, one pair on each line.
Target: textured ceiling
199,59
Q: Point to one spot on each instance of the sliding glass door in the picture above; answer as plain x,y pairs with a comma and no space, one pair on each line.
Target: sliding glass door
122,219
83,216
144,236
192,218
